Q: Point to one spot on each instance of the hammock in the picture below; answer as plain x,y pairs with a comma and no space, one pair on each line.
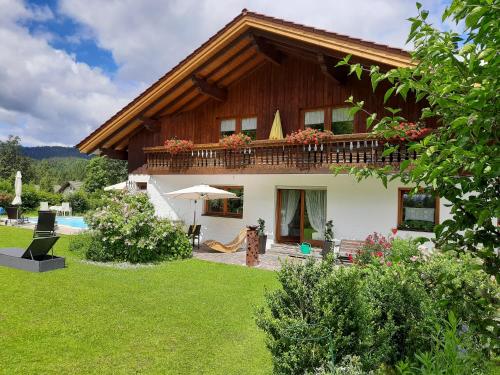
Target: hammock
230,247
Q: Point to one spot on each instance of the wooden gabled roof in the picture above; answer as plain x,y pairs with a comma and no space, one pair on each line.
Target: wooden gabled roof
240,47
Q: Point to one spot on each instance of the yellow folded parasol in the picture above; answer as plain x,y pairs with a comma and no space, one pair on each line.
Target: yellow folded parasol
276,130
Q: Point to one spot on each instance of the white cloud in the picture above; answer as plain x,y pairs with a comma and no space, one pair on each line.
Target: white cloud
148,37
48,97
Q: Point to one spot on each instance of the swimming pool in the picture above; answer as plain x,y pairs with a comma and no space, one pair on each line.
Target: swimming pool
77,222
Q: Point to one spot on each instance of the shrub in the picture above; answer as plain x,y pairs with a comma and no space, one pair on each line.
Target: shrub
453,352
31,197
382,313
6,199
6,186
78,201
126,229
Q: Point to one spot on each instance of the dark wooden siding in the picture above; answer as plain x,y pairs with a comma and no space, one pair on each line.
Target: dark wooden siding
295,85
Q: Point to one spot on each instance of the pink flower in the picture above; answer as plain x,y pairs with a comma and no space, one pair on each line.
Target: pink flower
389,263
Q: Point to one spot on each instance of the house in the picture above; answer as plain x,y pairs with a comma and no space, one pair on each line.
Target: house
235,82
68,187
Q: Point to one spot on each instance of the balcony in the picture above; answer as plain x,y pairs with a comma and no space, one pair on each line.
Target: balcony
268,157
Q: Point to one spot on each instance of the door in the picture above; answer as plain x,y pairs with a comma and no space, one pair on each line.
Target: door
301,216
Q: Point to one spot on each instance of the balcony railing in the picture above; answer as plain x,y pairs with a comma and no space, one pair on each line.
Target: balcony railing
275,157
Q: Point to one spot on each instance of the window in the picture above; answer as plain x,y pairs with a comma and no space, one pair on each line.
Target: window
315,120
418,212
227,127
142,185
226,207
249,127
245,125
342,121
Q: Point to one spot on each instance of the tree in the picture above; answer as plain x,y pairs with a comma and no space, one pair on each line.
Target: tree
102,171
457,76
12,160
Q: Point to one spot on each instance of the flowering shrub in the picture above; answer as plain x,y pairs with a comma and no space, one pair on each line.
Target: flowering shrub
375,246
235,141
125,228
383,315
408,131
309,136
6,199
175,146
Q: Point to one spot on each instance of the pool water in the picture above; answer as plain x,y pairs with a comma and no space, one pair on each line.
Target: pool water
69,221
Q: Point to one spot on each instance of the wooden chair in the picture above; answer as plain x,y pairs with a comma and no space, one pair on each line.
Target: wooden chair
348,250
230,247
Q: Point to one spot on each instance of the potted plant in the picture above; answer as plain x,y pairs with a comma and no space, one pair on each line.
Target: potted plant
235,141
175,146
309,136
329,240
262,236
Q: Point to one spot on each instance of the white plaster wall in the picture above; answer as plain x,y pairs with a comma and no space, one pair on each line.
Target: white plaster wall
356,209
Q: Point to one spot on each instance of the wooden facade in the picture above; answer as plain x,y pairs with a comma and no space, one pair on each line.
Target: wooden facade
292,87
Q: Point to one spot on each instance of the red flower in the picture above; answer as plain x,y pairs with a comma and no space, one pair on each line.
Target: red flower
380,254
394,231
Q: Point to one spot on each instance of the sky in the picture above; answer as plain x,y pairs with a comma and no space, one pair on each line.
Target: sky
66,66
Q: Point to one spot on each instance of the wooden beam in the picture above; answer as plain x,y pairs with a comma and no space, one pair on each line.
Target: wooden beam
114,154
327,63
205,88
150,124
267,50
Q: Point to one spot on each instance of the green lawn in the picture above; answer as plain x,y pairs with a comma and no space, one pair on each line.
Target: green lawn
183,317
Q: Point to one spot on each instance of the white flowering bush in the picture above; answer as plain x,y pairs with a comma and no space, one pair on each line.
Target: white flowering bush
125,228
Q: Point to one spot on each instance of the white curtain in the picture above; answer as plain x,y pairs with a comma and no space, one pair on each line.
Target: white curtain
341,114
289,204
228,125
316,210
419,213
249,123
314,117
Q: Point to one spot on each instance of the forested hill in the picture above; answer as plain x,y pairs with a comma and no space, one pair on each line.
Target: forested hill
46,152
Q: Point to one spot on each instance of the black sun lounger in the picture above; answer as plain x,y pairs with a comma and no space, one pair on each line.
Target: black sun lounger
35,258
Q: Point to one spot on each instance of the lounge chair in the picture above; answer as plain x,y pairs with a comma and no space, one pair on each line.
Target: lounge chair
45,226
14,214
348,250
44,206
194,232
230,247
66,209
35,258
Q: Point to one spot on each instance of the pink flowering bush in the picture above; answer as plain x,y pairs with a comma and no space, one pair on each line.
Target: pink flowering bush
375,248
125,228
309,136
175,146
408,131
235,141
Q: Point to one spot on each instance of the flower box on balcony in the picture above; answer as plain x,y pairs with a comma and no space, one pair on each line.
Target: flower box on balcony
235,141
176,146
309,136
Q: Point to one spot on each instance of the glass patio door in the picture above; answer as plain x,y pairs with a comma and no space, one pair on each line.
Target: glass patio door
301,216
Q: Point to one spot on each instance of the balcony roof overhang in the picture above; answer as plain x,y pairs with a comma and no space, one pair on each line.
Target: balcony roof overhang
242,46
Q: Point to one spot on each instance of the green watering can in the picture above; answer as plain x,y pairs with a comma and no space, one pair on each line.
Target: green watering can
305,248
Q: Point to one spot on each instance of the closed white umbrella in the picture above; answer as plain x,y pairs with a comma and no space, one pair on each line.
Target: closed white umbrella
201,192
18,189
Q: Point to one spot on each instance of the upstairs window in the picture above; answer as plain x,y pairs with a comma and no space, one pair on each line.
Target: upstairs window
417,212
227,127
226,207
315,120
249,127
342,121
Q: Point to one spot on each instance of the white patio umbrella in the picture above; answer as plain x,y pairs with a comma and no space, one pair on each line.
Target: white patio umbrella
200,192
18,189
